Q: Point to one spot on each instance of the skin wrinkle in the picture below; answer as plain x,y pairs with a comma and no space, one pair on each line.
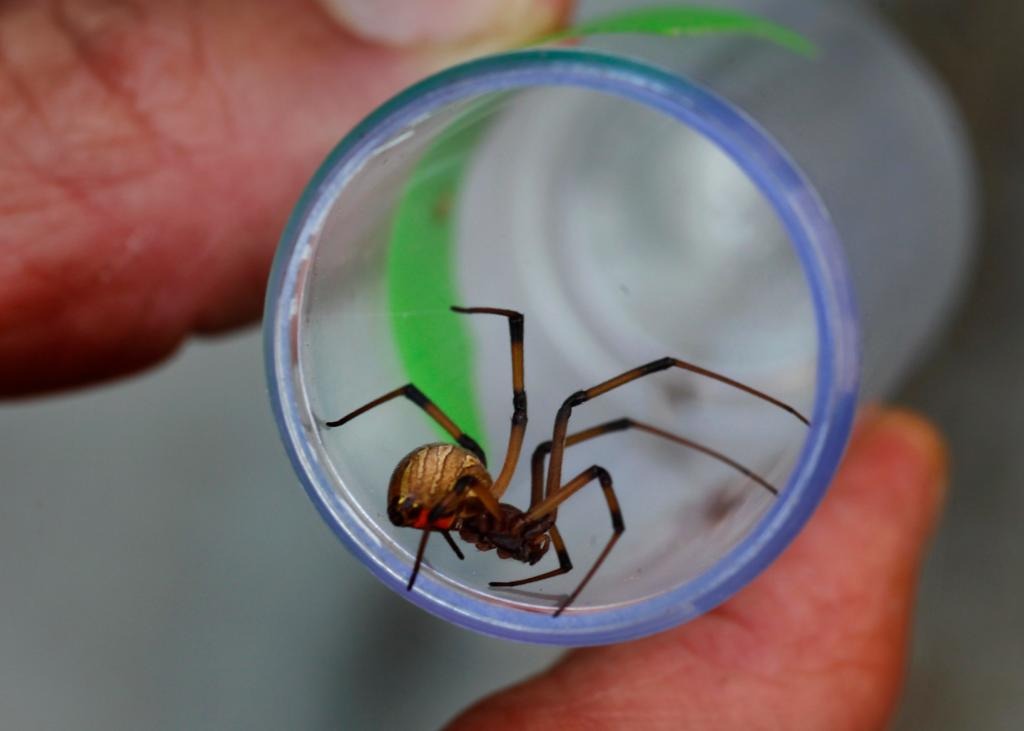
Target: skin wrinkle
55,286
110,300
40,271
100,79
148,160
213,73
792,659
156,90
806,638
71,112
17,198
42,176
45,272
91,58
22,90
621,692
809,653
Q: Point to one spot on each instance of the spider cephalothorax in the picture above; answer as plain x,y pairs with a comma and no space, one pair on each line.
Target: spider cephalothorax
446,487
512,533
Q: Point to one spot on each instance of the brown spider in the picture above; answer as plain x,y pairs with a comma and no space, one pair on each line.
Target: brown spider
446,487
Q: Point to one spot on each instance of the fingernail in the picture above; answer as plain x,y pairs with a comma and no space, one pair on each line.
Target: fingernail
446,22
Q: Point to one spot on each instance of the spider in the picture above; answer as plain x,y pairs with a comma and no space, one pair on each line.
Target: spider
446,488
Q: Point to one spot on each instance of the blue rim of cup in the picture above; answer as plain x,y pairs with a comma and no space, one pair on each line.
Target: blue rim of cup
816,244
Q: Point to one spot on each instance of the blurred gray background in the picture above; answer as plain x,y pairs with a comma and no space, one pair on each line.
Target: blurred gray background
162,568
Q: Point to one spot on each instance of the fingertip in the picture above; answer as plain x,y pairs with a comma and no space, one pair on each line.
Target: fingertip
913,439
894,475
918,433
923,438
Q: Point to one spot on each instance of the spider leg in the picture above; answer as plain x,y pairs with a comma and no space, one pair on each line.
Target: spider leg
518,431
558,438
537,461
536,495
463,485
537,487
420,399
451,542
550,503
564,564
458,492
419,560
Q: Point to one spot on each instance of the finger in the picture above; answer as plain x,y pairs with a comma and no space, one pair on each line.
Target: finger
150,153
817,641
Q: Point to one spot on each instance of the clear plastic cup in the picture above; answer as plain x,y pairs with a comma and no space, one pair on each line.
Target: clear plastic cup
717,199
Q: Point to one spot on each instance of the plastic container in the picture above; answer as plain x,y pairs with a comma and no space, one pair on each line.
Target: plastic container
635,197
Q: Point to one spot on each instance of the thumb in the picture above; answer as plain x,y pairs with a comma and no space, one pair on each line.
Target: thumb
148,160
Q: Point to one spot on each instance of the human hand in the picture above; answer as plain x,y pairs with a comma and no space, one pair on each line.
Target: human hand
817,642
151,152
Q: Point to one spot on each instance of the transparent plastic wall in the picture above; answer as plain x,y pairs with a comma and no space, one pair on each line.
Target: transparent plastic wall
717,198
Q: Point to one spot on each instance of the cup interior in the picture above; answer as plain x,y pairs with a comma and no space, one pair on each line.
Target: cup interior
623,235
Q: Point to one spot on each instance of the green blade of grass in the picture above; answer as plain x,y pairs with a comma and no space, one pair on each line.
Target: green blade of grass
434,344
678,21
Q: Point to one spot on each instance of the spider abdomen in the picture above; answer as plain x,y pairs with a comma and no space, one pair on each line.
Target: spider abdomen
426,475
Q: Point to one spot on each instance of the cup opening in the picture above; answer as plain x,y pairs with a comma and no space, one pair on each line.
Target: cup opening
629,215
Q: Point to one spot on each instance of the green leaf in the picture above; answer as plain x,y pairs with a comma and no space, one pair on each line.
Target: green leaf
677,21
434,344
